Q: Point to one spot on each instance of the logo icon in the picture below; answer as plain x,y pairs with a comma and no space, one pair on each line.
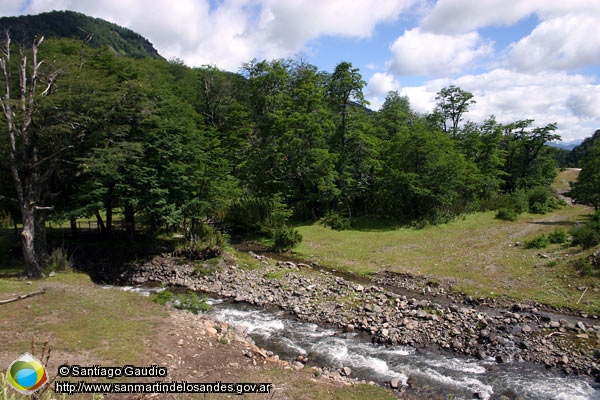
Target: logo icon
26,374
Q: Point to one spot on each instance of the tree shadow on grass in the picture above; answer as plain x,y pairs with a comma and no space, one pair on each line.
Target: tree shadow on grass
552,223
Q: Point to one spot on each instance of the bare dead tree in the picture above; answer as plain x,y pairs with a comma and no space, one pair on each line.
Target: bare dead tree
26,164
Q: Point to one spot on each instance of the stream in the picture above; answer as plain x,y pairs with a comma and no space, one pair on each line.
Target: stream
433,372
443,373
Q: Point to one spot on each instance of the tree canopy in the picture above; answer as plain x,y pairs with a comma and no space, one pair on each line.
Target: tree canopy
164,144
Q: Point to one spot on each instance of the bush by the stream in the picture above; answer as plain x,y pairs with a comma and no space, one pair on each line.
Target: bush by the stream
558,236
285,238
587,235
507,214
540,242
541,200
336,221
184,301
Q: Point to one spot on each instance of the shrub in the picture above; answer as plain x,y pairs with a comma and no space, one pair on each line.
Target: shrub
538,208
540,242
583,267
518,202
558,237
191,302
285,238
336,221
163,297
59,261
257,214
186,301
541,200
586,236
507,215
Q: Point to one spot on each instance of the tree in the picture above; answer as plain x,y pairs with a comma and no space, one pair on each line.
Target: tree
587,187
480,143
49,125
345,86
425,177
394,114
290,153
529,160
30,169
452,103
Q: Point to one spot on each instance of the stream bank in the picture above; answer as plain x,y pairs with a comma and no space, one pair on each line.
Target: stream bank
520,333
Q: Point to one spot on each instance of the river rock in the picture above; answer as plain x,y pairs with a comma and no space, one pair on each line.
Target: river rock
297,365
458,323
211,331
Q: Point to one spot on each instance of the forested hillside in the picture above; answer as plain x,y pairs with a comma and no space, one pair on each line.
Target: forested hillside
161,144
580,152
69,24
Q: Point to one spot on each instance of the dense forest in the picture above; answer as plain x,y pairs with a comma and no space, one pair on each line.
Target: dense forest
161,144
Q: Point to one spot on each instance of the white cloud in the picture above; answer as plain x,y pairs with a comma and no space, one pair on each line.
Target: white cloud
564,43
233,31
10,7
571,101
381,83
292,23
425,53
456,16
585,102
378,87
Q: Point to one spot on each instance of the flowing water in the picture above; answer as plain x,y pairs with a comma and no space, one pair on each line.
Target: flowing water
439,372
445,373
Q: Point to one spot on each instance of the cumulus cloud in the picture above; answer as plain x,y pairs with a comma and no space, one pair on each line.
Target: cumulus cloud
456,16
379,85
232,31
570,100
424,53
564,43
585,101
11,7
292,23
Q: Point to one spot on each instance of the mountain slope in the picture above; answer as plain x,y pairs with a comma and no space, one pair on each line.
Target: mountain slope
69,24
581,151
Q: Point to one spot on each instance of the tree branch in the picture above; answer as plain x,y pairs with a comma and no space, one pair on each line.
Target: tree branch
51,156
23,296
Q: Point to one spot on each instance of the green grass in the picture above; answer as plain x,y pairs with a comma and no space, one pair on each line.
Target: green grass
477,253
561,183
78,317
91,325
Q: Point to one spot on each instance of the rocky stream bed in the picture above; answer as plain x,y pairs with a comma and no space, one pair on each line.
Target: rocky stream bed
395,310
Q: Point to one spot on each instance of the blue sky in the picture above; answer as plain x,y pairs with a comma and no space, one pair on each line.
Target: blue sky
522,59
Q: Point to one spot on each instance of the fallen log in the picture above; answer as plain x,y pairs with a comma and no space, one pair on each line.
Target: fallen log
23,296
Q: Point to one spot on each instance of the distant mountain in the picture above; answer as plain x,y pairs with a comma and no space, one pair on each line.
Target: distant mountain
581,151
69,24
565,145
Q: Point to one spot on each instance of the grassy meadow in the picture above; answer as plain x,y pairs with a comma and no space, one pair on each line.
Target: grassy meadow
481,255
